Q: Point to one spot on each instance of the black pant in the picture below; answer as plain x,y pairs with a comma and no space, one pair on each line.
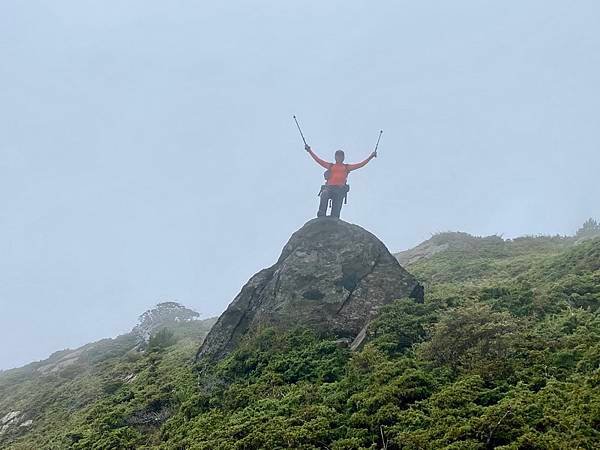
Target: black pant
336,194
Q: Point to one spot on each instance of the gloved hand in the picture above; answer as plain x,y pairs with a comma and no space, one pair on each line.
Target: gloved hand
373,155
307,147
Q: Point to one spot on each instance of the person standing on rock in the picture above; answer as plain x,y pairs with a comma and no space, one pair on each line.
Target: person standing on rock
336,187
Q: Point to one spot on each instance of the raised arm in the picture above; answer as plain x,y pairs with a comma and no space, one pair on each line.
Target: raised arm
352,167
319,161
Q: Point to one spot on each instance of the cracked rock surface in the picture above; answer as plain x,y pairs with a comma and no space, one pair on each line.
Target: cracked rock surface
332,276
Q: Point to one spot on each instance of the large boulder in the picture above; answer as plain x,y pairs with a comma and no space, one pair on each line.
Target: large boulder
332,277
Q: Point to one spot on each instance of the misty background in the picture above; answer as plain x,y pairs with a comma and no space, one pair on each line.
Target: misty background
148,152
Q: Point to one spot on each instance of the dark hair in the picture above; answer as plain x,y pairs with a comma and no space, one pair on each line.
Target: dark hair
339,152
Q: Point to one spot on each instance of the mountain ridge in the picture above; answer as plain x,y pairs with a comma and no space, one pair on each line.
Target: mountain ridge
503,353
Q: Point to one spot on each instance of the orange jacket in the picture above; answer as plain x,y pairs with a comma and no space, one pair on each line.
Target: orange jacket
338,172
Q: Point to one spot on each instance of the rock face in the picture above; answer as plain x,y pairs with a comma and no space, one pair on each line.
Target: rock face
13,419
332,276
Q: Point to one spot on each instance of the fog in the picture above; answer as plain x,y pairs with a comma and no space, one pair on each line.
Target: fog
148,151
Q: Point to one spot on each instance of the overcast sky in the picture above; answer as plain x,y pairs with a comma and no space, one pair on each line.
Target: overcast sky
148,152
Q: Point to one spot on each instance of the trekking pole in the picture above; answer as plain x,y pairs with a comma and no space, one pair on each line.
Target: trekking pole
298,125
379,137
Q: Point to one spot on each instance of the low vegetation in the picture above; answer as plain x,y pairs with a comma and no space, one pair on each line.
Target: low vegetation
504,353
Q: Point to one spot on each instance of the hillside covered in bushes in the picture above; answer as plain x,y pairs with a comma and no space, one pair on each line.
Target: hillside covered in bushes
504,353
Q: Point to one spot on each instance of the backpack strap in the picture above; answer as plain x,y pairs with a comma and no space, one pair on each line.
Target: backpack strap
327,173
347,185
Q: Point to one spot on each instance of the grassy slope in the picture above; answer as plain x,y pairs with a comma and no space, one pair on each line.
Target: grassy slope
59,401
504,354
